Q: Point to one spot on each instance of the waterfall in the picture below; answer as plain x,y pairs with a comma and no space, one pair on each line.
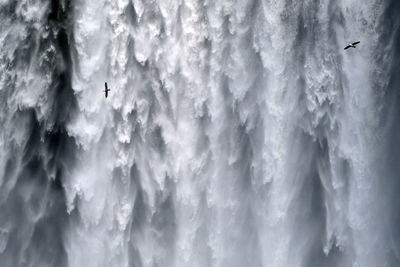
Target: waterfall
237,133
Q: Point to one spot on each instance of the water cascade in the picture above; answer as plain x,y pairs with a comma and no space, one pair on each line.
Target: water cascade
237,133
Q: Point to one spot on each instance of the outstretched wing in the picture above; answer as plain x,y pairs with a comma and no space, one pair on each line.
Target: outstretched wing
347,47
106,89
356,43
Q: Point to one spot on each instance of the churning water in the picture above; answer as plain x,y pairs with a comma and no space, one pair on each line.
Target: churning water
237,133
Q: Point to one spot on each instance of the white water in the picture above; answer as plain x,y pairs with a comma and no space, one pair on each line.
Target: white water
237,133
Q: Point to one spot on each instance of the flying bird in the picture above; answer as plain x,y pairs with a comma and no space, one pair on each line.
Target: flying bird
106,90
353,45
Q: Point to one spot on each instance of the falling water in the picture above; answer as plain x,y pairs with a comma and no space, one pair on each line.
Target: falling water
237,133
